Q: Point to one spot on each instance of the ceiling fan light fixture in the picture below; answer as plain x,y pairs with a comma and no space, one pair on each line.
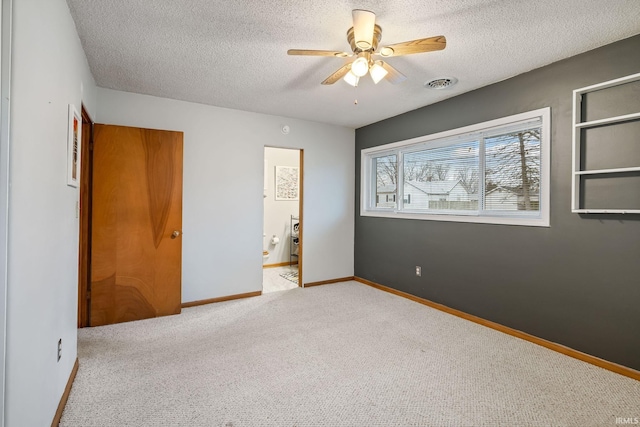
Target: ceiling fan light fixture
364,22
351,78
364,39
377,72
360,67
386,51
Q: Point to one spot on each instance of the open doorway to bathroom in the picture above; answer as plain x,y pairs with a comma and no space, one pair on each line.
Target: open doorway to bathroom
282,229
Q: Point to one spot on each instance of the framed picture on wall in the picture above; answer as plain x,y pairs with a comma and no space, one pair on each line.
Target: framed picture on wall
287,178
73,147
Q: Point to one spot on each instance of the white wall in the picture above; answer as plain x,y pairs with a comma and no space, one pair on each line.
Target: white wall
5,86
49,72
277,213
223,189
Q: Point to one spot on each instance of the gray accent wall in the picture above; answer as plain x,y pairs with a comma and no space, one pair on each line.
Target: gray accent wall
576,283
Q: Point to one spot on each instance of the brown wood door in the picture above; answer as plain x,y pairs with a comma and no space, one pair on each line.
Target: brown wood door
136,236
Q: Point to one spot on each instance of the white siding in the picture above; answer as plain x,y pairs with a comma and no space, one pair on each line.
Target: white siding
501,199
419,200
458,193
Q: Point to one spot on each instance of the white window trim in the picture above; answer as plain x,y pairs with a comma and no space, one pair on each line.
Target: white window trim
496,217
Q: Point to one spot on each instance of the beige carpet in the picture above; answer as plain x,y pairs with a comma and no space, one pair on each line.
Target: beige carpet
336,355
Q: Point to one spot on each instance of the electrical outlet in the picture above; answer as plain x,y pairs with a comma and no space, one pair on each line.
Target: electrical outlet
59,349
418,271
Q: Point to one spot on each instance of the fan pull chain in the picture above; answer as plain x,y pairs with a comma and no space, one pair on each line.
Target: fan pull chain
355,101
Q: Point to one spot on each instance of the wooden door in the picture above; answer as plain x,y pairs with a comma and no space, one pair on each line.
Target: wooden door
136,236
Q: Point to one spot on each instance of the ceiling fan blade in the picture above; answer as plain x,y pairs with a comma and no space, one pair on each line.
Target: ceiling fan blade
429,44
394,76
307,52
337,75
364,22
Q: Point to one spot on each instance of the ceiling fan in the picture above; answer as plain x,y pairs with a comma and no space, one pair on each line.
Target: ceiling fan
364,38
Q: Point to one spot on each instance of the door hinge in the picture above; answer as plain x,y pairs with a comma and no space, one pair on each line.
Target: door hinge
88,294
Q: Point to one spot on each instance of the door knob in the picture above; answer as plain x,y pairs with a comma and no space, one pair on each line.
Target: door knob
175,234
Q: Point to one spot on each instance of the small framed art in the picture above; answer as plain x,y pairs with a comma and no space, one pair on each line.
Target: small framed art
73,147
287,183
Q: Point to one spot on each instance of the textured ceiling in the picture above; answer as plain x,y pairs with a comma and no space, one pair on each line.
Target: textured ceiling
233,54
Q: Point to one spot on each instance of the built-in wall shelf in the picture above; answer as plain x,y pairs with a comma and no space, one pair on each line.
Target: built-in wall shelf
608,121
606,149
607,211
603,171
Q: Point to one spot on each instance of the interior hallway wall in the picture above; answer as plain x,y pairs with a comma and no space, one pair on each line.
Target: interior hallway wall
49,72
223,189
277,213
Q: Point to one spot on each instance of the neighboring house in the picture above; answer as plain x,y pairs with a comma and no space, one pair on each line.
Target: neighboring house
504,199
501,198
386,196
449,194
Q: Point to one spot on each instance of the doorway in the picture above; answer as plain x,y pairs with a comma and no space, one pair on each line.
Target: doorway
282,222
86,172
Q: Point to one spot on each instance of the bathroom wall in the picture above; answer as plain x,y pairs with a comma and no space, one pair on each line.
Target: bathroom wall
277,213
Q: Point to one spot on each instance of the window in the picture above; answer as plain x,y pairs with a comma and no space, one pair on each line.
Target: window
385,167
493,172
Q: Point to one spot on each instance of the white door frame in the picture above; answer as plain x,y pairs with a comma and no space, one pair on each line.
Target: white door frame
5,88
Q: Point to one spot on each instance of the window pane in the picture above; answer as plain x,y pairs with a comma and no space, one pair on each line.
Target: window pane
512,171
386,168
444,178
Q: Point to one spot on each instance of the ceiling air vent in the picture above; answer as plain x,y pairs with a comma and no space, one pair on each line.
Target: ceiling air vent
441,83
